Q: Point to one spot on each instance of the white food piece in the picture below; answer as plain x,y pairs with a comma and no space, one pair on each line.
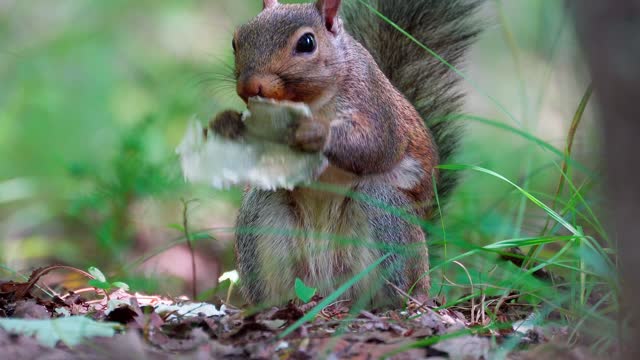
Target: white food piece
260,159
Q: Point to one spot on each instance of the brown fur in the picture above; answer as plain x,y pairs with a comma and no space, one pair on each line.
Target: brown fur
376,143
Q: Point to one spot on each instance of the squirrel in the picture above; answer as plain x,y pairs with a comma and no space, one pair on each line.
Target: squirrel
377,100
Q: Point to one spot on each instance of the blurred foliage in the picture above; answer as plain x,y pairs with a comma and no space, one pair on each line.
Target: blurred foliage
95,95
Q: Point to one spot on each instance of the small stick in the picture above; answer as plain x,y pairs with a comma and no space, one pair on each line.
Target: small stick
399,329
228,291
421,305
482,309
185,228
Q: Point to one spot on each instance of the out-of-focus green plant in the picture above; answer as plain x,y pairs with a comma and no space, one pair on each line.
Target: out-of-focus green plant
106,208
100,281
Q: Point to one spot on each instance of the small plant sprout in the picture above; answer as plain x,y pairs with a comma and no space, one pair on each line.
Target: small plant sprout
100,281
233,278
304,292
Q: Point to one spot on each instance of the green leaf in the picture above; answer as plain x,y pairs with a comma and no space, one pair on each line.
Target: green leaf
99,284
97,274
121,285
176,227
303,292
70,330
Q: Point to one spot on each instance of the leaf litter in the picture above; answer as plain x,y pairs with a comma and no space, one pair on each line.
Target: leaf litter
122,324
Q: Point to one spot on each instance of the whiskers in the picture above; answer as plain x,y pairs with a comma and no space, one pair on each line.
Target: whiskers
214,84
219,81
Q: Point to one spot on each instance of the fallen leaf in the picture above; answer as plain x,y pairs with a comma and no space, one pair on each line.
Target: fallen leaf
189,310
70,330
273,324
29,309
465,347
291,313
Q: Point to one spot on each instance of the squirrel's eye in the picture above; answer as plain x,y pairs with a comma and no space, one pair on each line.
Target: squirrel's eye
233,44
306,44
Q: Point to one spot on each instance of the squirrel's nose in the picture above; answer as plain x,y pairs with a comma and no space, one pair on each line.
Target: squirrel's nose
249,88
258,85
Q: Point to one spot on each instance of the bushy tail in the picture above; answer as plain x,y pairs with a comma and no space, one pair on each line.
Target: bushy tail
447,27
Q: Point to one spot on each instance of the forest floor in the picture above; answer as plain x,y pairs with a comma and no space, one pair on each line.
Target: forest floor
97,324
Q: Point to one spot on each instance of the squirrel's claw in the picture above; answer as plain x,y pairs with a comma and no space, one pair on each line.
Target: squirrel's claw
308,136
228,124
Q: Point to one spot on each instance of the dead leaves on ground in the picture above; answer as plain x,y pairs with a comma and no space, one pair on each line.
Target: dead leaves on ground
154,327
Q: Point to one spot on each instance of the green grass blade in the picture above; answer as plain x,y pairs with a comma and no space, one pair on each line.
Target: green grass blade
522,133
554,215
575,123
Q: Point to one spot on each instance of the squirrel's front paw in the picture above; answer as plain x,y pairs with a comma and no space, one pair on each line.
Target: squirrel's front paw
308,135
228,124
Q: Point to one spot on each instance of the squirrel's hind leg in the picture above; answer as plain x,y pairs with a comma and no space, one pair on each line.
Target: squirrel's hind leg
264,244
407,267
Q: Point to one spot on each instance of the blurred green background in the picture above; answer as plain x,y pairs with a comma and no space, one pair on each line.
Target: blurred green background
95,96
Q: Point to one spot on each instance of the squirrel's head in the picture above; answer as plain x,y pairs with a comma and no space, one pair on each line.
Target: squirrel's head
289,51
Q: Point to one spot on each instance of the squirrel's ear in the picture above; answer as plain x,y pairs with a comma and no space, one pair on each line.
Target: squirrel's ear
269,3
329,10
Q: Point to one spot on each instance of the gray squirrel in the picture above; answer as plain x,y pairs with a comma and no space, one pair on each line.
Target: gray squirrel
377,101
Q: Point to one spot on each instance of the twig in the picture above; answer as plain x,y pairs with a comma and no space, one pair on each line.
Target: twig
399,329
421,305
502,301
473,302
185,228
482,308
37,274
506,298
323,311
308,306
329,323
77,291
